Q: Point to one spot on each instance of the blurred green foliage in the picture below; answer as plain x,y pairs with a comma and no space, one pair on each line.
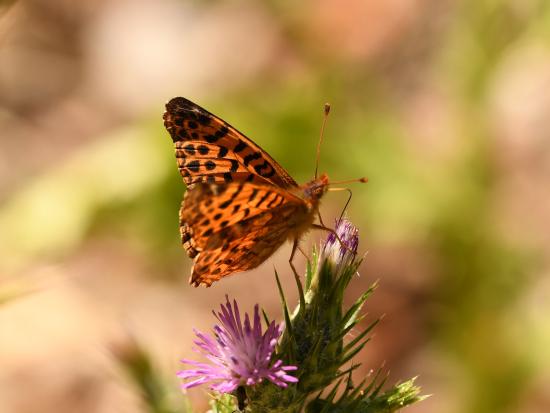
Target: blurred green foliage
144,375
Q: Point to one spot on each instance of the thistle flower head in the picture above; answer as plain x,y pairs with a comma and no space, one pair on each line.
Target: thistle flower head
341,250
240,354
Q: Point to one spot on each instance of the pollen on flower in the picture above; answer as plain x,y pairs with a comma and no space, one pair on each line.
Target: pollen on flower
239,353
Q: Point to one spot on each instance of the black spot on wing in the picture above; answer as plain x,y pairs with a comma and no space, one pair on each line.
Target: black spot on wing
189,148
179,134
263,198
225,204
240,146
223,131
260,167
253,195
249,158
222,152
220,133
269,174
193,166
275,202
203,150
203,118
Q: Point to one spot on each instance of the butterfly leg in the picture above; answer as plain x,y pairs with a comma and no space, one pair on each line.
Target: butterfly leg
320,219
303,253
296,246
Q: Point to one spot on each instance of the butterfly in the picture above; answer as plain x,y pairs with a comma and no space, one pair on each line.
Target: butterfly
240,205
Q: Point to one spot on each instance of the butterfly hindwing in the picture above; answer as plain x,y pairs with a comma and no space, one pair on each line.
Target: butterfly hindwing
209,150
234,227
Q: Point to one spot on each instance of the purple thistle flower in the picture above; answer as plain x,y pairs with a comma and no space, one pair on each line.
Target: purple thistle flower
239,354
337,254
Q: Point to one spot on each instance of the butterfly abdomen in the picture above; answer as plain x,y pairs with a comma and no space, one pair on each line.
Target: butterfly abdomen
302,225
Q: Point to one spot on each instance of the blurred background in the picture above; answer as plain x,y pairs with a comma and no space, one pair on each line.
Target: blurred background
444,105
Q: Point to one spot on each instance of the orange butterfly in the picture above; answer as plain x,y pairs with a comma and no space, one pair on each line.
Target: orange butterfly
240,205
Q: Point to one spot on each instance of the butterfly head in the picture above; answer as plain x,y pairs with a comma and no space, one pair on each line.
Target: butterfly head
315,189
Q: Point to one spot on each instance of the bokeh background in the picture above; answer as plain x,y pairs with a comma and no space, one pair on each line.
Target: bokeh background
444,105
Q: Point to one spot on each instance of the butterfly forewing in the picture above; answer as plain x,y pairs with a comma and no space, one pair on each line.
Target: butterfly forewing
210,150
234,227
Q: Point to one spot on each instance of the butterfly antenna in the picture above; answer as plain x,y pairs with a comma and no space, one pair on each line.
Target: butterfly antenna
326,112
362,180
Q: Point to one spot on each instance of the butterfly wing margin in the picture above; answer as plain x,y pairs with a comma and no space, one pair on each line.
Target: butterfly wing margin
235,227
208,149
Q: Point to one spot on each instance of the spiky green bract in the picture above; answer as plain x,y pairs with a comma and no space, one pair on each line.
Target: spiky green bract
366,398
314,338
319,326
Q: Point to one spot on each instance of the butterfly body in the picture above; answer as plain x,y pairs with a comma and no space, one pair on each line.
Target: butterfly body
240,205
